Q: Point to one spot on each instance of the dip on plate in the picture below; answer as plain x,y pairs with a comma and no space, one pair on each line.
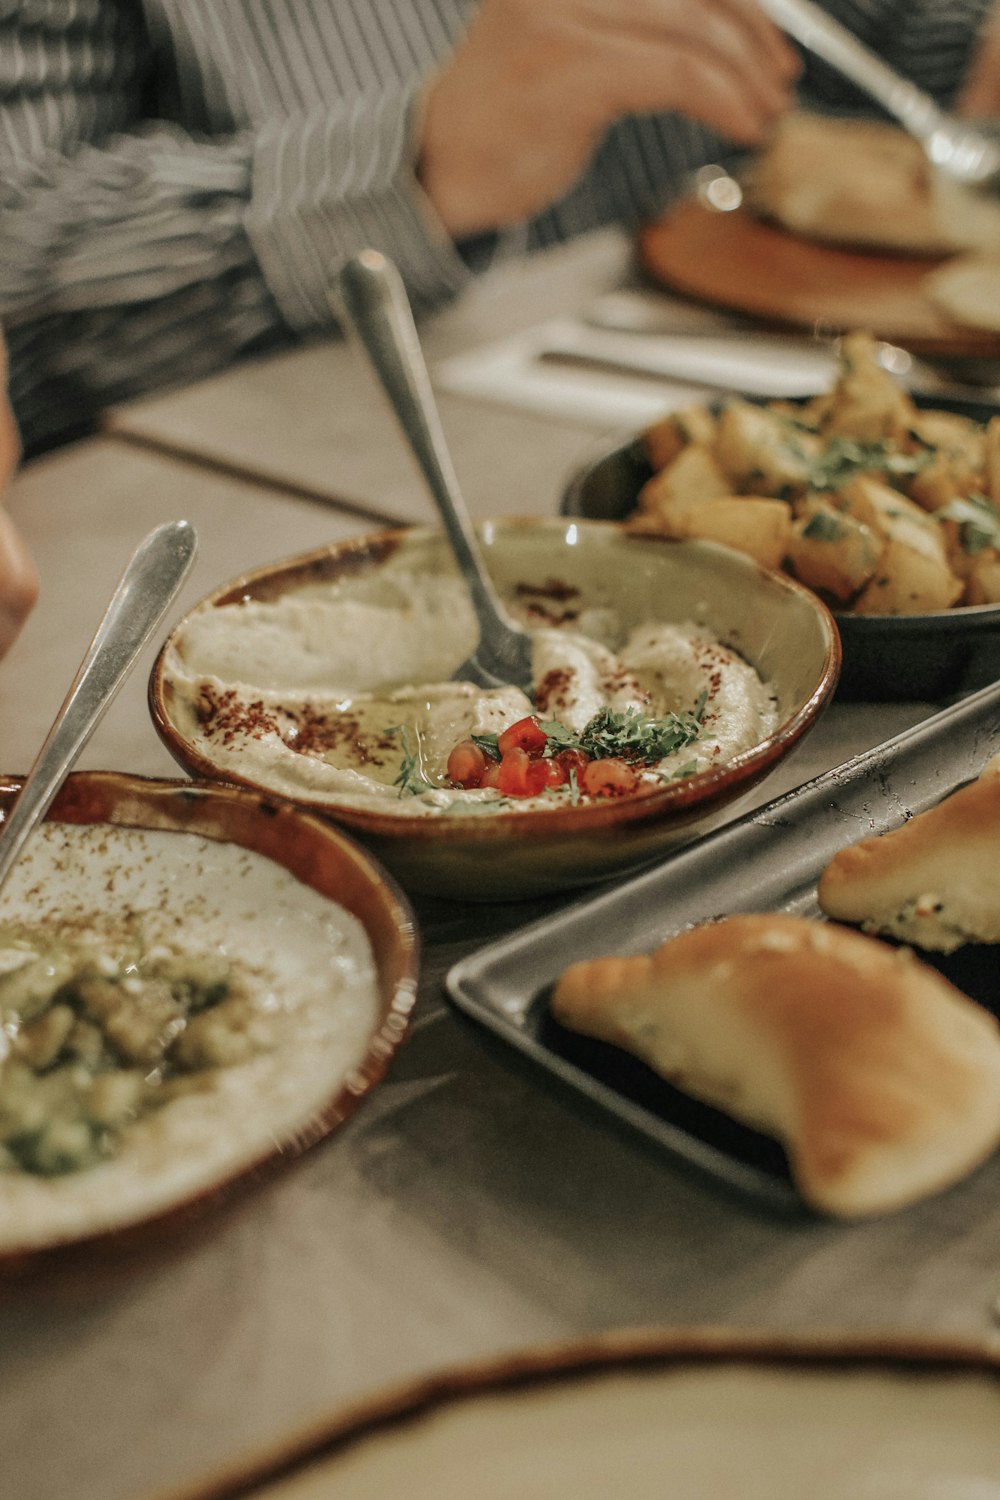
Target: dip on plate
157,1036
343,692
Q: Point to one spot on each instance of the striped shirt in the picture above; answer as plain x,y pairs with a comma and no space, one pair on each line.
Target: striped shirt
179,179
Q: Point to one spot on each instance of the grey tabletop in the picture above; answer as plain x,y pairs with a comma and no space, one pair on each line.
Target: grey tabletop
467,1208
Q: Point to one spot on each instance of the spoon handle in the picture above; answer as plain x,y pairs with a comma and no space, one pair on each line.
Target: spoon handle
144,592
826,38
373,299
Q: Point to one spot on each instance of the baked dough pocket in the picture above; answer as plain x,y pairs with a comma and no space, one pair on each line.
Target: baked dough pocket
879,1078
933,882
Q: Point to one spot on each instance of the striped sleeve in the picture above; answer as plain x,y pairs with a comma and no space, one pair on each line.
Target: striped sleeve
329,182
123,269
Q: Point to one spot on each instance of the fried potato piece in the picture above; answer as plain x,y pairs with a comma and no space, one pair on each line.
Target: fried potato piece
762,452
991,460
958,465
832,551
866,403
913,575
982,584
668,438
693,476
895,517
908,582
758,527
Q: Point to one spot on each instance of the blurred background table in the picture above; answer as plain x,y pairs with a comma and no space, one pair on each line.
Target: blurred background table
467,1209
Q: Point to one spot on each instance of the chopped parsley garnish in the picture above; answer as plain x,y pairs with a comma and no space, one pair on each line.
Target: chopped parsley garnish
625,733
635,736
462,809
681,772
844,457
979,520
488,745
410,778
822,527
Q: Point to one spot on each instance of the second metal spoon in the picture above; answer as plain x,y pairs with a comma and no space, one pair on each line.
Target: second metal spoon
371,296
150,581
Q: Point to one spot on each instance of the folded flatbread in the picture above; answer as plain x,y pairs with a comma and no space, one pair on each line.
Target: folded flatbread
934,881
881,1079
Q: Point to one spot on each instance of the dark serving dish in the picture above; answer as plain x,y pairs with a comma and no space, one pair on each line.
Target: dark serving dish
768,861
886,657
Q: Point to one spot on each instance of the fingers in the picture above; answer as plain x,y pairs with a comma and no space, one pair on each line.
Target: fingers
10,439
18,578
740,27
714,86
18,582
720,61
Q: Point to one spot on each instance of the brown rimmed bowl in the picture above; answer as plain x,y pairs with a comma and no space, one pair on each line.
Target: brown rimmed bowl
778,626
696,1414
220,866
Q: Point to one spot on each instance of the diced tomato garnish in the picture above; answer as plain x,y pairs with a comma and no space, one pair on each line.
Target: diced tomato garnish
466,764
527,735
513,780
610,777
491,776
572,763
521,776
554,773
538,777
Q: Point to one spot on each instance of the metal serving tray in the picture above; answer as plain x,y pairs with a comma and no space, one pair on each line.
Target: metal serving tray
770,861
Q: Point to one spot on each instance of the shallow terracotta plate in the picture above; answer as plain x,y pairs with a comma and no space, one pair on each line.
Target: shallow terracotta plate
301,909
778,626
689,1414
733,260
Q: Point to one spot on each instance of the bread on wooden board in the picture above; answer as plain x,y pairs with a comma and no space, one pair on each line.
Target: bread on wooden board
880,1078
865,182
934,881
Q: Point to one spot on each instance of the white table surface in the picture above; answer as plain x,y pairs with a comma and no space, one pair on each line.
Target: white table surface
314,420
465,1209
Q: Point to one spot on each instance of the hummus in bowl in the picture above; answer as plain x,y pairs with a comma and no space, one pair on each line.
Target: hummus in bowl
194,987
667,679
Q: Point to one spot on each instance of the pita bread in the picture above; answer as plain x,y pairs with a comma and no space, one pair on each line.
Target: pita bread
935,881
880,1078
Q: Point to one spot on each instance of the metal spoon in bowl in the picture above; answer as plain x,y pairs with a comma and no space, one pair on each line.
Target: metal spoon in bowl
147,586
966,153
370,295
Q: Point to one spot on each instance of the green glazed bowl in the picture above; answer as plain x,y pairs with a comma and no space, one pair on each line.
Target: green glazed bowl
780,627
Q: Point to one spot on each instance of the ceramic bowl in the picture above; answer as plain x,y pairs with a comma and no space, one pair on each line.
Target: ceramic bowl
886,657
778,626
323,937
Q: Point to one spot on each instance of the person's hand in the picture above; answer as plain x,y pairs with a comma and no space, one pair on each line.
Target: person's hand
18,578
980,95
513,118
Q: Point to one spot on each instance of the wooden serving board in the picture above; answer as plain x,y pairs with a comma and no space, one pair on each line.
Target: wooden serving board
735,261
